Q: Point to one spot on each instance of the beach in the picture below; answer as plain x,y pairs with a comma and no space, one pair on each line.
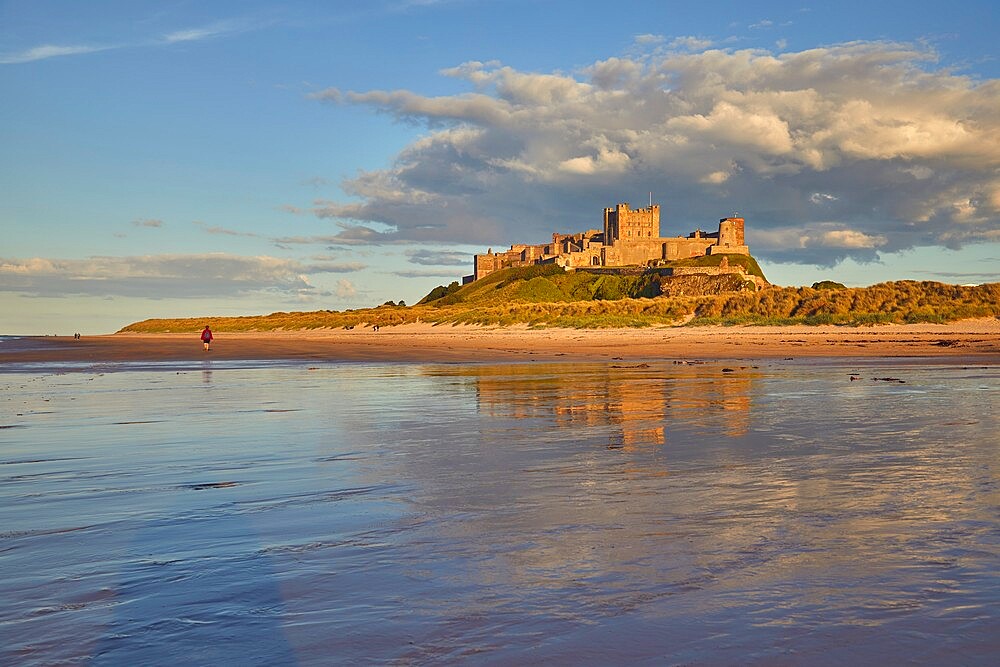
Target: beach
445,494
971,339
308,511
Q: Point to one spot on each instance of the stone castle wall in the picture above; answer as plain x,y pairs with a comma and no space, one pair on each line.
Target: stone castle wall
631,237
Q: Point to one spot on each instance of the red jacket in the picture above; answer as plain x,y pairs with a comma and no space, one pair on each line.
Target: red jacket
206,335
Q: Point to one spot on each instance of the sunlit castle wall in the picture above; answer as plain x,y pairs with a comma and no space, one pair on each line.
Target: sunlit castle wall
518,255
694,245
731,238
630,238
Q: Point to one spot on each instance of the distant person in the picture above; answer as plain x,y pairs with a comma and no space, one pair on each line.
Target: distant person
206,337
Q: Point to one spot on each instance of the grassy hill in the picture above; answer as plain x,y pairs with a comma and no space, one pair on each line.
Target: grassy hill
547,296
551,284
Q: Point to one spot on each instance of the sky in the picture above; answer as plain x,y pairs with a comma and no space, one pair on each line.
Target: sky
198,159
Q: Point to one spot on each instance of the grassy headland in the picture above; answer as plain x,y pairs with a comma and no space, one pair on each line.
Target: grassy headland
547,296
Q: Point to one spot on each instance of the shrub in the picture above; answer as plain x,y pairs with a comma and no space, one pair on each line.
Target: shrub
440,292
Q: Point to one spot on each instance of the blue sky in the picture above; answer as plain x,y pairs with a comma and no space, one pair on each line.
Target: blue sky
173,159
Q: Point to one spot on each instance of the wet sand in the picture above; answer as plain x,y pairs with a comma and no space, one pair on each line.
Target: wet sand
971,339
603,513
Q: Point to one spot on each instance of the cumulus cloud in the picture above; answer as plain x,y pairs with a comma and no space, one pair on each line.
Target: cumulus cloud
823,244
911,150
163,276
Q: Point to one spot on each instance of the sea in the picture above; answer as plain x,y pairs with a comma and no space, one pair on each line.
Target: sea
738,512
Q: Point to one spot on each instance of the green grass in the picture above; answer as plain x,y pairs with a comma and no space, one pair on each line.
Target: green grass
549,283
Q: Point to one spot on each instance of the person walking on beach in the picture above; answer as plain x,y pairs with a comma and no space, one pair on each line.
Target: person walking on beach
206,337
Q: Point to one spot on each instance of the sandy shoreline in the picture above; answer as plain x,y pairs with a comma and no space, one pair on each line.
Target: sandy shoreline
971,339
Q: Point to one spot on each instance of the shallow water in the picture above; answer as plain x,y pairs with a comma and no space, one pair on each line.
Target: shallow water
509,514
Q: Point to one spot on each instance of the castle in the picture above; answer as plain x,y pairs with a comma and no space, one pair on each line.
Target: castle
629,238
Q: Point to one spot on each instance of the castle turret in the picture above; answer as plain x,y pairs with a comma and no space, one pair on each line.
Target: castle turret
731,232
731,240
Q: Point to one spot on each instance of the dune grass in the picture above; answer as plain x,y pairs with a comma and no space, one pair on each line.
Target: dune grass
531,297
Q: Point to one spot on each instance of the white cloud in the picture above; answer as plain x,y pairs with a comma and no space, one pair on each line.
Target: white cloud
715,178
212,30
163,276
822,197
913,152
46,51
345,289
614,73
190,35
845,238
823,244
690,44
604,162
649,38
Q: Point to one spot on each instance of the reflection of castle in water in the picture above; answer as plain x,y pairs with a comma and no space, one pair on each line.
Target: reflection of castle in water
639,403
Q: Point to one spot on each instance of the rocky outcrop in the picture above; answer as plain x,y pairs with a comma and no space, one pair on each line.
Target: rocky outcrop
704,284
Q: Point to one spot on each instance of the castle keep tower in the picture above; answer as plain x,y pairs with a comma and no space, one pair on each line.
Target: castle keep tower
621,223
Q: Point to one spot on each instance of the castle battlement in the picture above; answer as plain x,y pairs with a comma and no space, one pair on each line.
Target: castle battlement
630,237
